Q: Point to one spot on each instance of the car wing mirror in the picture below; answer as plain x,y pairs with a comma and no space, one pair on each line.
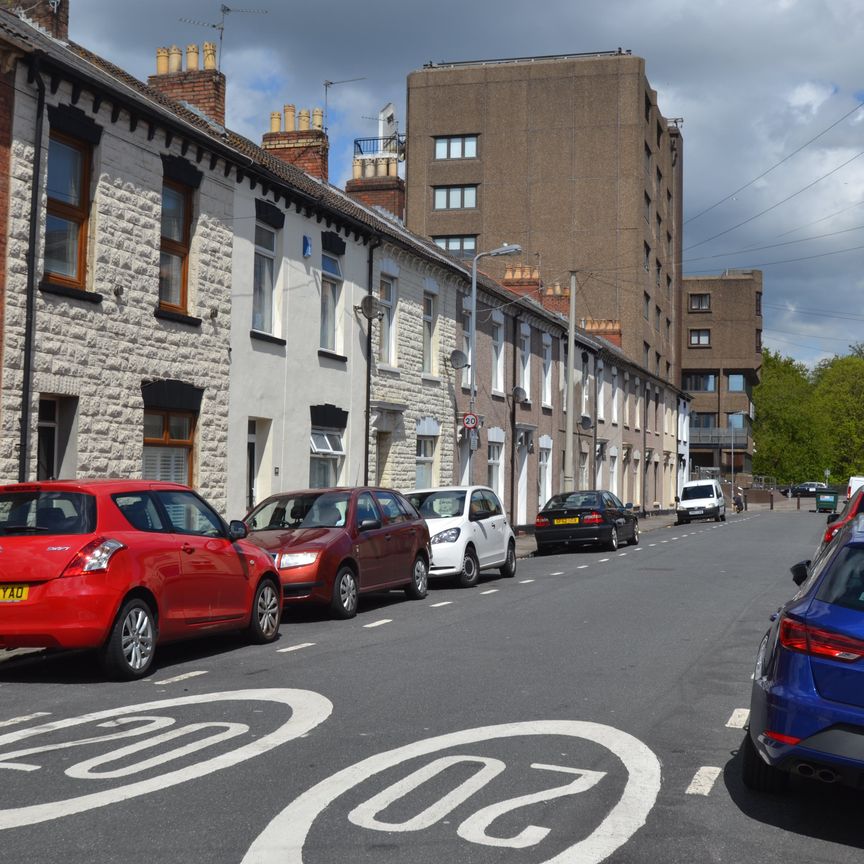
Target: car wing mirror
479,515
369,524
237,530
799,572
832,517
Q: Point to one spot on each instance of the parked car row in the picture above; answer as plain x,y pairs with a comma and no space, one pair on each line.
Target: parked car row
121,566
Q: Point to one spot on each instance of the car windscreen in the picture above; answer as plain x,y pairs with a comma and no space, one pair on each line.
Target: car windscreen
694,493
440,504
303,510
574,499
43,512
844,584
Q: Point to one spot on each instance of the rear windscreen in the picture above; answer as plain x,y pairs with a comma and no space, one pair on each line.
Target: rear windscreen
692,493
41,512
844,584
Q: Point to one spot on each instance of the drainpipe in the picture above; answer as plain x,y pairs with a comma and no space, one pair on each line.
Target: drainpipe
517,319
373,245
593,484
29,324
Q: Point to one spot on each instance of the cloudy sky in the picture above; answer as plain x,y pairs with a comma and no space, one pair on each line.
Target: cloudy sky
770,92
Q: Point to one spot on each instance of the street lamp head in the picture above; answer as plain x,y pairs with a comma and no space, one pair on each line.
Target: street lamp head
506,249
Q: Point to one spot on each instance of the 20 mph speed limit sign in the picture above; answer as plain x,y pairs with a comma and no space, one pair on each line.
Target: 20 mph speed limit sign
470,421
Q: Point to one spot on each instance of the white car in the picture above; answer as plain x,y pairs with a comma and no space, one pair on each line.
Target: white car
469,532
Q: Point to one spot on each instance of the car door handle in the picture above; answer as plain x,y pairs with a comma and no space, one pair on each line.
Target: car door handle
187,548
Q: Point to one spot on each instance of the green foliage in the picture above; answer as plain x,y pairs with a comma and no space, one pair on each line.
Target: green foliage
807,422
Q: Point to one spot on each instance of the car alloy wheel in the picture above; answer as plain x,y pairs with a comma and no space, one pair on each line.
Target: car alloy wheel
635,540
509,568
470,574
266,612
344,601
128,653
613,539
418,587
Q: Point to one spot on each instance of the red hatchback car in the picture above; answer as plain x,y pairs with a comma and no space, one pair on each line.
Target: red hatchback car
121,565
331,545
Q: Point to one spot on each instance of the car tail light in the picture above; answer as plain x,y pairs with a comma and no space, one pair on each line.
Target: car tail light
830,531
592,519
798,636
779,736
541,522
94,557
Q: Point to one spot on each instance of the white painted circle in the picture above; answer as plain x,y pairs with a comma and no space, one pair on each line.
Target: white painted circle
470,421
308,709
283,839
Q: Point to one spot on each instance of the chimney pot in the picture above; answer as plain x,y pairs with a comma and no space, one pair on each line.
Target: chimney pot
192,58
303,117
161,61
392,168
318,118
275,121
356,169
290,117
209,55
175,59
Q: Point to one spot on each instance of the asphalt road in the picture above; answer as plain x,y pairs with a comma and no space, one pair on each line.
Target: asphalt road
588,709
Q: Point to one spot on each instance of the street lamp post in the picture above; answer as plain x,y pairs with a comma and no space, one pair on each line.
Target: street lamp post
506,249
732,446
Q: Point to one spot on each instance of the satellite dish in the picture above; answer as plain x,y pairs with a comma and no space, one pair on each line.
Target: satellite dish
519,395
585,422
370,307
458,359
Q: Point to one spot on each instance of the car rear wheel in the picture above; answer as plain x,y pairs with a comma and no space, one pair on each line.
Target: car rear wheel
266,612
128,653
509,568
613,539
343,603
756,773
470,574
418,587
635,538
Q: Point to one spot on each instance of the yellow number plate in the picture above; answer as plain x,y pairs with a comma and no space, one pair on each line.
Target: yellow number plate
571,520
13,593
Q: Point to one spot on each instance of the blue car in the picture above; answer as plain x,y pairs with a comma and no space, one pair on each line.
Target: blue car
807,704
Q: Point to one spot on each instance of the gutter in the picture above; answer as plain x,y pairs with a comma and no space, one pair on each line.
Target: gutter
30,319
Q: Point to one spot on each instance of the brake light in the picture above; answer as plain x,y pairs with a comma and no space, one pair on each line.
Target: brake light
592,519
779,736
831,531
798,636
94,557
541,522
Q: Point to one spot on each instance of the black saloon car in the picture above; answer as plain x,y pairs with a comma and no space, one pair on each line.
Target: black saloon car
594,516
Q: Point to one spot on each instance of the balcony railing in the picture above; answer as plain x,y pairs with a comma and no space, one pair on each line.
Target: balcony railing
393,145
739,438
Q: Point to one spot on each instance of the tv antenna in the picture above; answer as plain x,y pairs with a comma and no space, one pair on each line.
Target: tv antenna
327,85
220,26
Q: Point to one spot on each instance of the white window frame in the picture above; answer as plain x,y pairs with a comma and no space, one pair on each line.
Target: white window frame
424,465
547,370
326,446
600,372
263,320
430,355
544,471
585,389
494,465
525,359
331,299
497,352
615,395
388,301
455,147
454,197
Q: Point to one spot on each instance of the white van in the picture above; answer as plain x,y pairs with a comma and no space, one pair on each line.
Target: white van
700,499
855,483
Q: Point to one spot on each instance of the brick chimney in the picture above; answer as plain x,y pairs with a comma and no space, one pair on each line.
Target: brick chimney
608,328
301,143
203,89
522,279
51,17
376,183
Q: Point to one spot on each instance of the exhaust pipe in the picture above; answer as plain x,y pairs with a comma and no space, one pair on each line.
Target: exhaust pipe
811,772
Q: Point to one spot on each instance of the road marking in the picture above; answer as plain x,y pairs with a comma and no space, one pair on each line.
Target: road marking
652,544
24,718
603,560
307,708
638,549
557,573
674,538
581,566
382,621
622,554
442,603
739,718
664,541
184,677
525,581
283,839
296,647
704,781
494,590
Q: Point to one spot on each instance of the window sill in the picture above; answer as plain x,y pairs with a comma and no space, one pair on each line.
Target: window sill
390,370
429,378
698,346
261,336
71,293
498,394
176,317
332,355
546,406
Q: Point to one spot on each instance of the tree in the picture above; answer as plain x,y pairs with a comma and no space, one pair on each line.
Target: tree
838,400
787,430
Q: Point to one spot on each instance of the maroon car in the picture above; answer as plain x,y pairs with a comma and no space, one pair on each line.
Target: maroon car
331,545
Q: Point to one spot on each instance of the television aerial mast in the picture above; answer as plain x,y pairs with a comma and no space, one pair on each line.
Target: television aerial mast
327,85
220,26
